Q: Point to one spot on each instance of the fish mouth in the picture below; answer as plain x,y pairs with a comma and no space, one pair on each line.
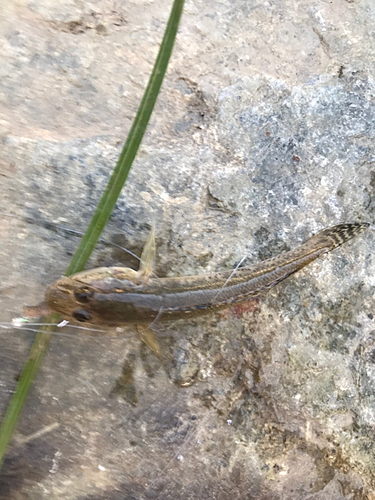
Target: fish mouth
37,311
59,297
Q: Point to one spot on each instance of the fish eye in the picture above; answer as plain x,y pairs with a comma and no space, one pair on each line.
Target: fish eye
83,294
81,315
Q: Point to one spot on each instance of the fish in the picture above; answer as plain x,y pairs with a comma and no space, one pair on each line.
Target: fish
114,296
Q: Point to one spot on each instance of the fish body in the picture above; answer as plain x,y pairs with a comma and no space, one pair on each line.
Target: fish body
114,296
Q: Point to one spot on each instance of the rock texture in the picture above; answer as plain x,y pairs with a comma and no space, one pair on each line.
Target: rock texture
262,135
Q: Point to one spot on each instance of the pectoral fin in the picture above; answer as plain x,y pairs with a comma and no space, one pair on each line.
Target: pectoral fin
147,258
148,337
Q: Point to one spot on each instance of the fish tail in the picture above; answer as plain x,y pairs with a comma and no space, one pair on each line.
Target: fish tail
333,237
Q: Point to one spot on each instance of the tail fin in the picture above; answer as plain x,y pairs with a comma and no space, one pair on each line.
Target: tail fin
333,237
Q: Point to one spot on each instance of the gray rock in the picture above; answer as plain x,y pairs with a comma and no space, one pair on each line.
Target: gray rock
262,135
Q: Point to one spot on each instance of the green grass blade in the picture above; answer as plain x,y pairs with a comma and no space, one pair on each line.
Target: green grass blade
122,168
98,221
29,371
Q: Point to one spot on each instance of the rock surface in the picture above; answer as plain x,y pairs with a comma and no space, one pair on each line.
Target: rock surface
262,135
